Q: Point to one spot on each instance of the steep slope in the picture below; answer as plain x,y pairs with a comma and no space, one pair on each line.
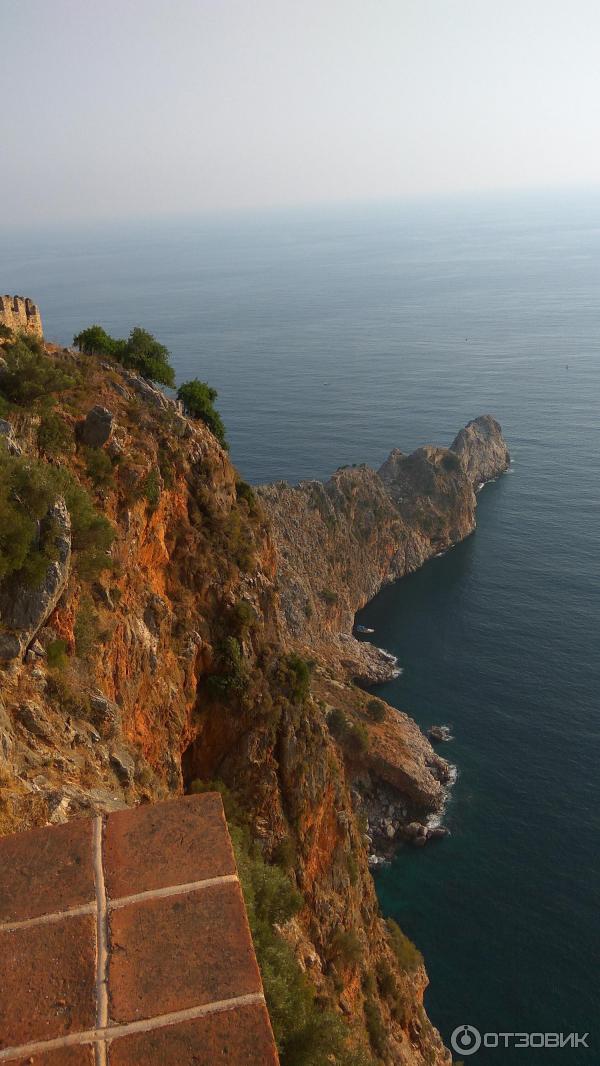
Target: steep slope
160,653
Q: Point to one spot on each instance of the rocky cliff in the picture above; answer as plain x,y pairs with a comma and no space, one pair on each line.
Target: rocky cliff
340,541
154,635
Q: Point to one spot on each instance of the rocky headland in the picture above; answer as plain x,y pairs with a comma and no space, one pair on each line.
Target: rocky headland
165,627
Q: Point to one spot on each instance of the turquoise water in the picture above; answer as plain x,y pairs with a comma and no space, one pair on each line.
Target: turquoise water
332,337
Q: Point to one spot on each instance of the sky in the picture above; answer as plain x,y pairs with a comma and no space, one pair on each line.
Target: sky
130,108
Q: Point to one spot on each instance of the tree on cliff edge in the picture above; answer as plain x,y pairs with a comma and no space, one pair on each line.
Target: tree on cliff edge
198,400
141,351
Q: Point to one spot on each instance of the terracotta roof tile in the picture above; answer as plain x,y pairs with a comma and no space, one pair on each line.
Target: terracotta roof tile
127,936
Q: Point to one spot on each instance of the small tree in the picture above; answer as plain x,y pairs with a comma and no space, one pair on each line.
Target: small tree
142,352
198,400
376,710
96,341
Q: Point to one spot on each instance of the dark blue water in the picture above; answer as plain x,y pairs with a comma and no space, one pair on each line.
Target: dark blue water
332,337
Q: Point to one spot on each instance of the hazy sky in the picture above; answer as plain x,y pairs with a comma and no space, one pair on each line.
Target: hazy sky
120,107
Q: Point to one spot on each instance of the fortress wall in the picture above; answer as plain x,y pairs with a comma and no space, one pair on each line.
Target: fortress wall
20,314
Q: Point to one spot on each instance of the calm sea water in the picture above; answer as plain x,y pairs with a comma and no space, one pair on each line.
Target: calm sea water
332,337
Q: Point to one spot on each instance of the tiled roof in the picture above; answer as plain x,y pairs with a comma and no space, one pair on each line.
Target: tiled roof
124,940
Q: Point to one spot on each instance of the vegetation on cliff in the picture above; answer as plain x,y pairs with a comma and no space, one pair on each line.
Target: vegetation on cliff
141,351
163,662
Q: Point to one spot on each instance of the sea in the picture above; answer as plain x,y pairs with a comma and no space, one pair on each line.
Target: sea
332,335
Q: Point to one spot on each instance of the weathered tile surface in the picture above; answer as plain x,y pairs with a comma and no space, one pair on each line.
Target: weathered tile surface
46,870
240,1036
181,951
47,980
164,844
78,1055
176,949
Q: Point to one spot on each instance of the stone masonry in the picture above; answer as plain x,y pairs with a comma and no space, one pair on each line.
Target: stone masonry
124,939
20,314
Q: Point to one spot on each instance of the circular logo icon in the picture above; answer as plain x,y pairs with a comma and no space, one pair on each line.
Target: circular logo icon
466,1039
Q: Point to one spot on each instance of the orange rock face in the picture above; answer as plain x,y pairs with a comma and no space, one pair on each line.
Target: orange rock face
174,662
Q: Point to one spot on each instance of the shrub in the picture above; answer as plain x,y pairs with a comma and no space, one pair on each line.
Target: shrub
27,491
329,597
337,723
5,332
284,853
198,400
376,710
151,488
96,341
244,491
56,654
243,617
346,946
166,467
409,957
231,674
98,466
352,867
67,696
357,738
27,375
86,628
299,673
386,980
54,436
142,352
375,1027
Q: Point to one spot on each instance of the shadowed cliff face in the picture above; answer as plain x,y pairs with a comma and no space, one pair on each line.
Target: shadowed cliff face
340,541
175,661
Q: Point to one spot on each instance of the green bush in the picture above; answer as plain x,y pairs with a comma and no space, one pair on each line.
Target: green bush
299,672
346,946
337,723
98,466
151,488
28,375
231,674
141,351
28,488
244,491
376,710
96,341
54,436
242,618
198,400
56,654
409,957
5,332
375,1027
27,492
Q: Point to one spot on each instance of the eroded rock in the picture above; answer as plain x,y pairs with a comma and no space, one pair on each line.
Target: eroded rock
97,427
